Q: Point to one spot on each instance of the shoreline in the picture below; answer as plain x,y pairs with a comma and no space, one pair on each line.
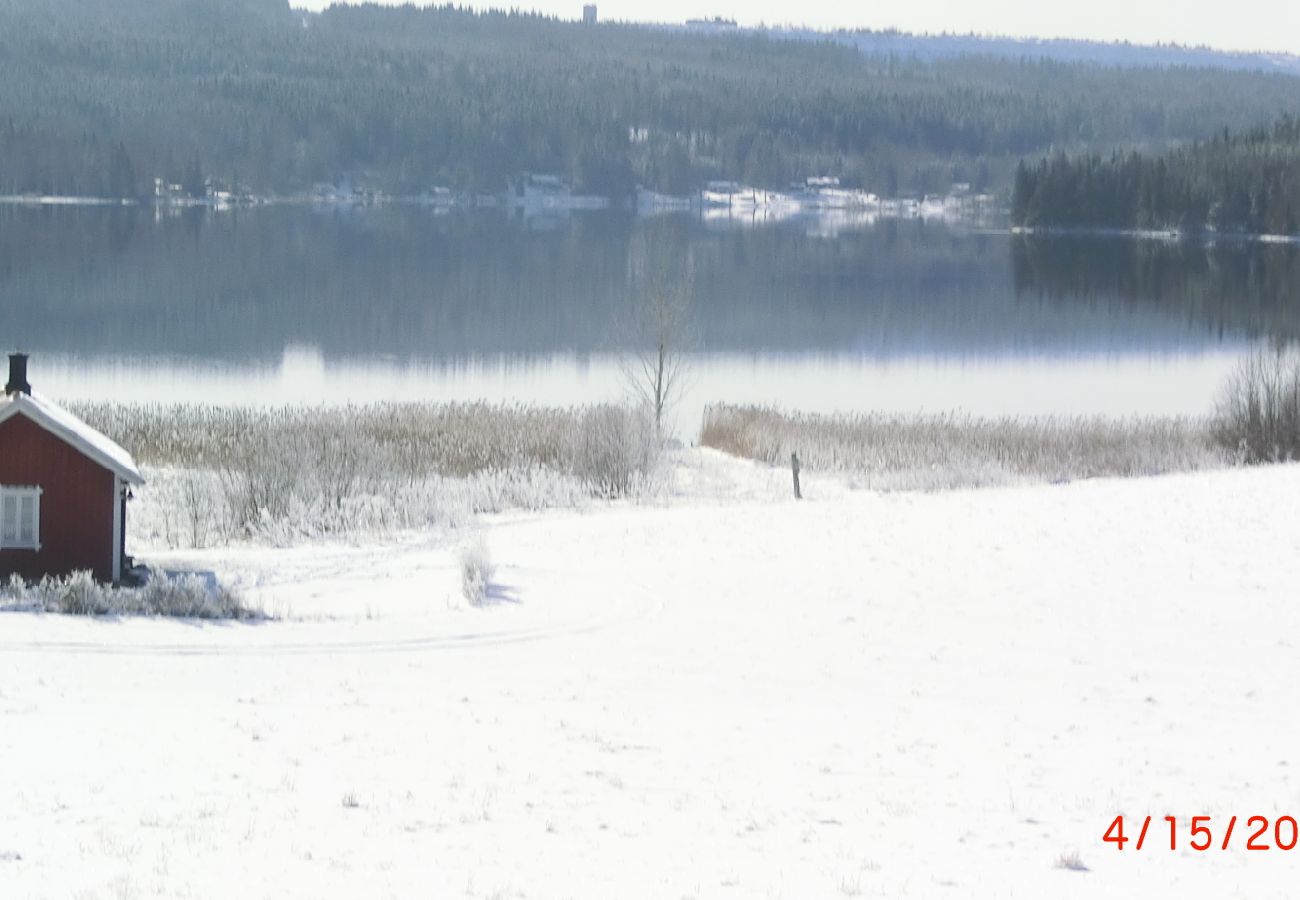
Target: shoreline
645,204
1171,235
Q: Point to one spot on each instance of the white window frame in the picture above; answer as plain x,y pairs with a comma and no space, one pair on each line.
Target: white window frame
20,493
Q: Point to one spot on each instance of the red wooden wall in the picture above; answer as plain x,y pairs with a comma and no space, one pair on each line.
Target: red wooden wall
76,508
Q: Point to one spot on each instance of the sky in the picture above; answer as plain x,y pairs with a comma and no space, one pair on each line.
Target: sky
1265,25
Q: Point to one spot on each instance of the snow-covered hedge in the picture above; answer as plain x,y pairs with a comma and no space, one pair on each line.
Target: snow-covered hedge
184,596
281,475
935,452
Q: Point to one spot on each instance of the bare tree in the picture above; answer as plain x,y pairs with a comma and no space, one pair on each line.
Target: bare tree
1258,412
658,335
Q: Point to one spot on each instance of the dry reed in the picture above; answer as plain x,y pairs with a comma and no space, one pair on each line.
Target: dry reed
932,452
293,473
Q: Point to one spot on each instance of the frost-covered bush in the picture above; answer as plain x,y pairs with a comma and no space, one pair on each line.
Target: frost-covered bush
187,596
165,514
1258,413
937,452
617,450
222,473
476,571
78,594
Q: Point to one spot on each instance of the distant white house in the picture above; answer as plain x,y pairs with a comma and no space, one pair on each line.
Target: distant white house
530,186
649,202
162,190
717,23
744,199
721,193
341,191
533,191
825,192
901,207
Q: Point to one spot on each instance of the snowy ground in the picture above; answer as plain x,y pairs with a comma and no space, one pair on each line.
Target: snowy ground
727,695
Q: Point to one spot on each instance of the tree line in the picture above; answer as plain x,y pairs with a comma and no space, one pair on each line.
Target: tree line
1247,182
98,97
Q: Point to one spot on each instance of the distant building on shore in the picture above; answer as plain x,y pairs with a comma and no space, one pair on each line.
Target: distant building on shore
589,14
163,190
717,23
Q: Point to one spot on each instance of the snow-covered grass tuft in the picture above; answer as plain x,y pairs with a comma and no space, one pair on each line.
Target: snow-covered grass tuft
78,594
301,473
1258,413
937,452
476,571
1071,861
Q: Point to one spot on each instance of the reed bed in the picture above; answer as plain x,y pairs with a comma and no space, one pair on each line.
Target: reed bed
937,452
284,474
409,439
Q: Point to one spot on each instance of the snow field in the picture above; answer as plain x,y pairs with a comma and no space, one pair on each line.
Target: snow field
727,695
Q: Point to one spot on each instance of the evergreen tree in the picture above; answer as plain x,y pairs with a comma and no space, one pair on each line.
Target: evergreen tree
1246,183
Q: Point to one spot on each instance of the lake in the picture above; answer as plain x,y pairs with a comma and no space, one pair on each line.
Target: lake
332,305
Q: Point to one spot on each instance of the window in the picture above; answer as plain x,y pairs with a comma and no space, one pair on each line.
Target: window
20,518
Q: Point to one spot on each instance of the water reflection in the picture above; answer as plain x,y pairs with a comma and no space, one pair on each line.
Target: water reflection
294,304
1221,287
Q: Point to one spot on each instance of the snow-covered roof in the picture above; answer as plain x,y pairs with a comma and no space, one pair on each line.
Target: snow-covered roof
63,424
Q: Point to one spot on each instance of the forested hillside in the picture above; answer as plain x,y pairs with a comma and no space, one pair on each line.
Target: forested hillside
99,96
1246,183
1117,53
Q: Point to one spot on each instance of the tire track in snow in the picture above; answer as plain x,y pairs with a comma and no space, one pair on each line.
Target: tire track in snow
641,606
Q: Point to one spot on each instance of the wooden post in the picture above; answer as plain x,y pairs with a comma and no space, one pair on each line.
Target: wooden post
794,469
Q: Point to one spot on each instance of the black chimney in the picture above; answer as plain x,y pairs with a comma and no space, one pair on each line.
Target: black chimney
18,375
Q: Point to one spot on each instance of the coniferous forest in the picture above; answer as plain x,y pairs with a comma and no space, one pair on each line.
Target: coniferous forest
99,97
1239,183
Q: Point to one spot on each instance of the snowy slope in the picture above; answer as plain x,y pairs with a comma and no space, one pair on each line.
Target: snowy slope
729,695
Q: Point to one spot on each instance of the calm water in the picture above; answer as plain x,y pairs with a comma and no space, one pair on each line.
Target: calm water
296,304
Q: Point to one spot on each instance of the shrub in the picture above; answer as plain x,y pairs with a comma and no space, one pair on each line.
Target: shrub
78,594
934,452
476,571
616,450
188,596
1258,413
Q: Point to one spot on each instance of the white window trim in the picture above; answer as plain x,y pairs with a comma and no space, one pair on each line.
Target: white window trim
21,491
119,496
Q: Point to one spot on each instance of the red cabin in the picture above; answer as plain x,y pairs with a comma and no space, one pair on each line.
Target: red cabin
63,489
